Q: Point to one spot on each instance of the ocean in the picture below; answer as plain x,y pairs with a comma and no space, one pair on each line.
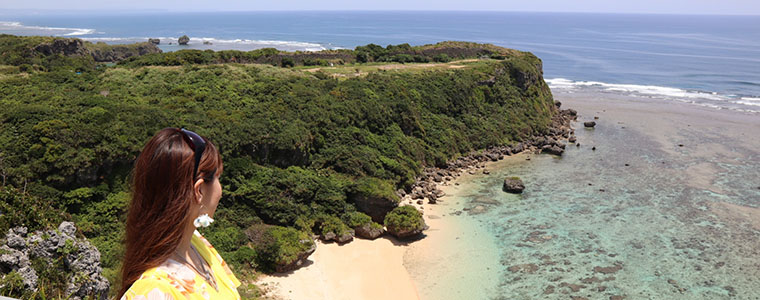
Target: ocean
704,60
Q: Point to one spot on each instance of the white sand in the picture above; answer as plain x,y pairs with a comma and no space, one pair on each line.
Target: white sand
361,269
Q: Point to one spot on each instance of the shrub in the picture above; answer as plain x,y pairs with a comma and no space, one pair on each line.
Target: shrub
404,221
287,62
355,219
443,57
332,224
277,246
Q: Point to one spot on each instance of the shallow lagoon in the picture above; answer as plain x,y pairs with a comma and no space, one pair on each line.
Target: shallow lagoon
641,216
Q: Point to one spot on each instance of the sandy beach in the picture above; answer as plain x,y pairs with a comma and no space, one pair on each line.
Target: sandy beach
361,269
390,269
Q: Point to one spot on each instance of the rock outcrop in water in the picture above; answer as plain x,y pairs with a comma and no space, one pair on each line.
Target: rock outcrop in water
154,41
57,251
183,40
513,185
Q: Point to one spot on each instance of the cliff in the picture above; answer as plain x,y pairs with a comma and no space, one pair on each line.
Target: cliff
303,146
18,50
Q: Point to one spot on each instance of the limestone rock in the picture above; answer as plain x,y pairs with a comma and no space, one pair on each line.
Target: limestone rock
183,40
513,185
67,47
367,231
589,124
329,236
345,237
154,41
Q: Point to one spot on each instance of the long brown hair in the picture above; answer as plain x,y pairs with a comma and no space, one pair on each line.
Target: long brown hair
162,191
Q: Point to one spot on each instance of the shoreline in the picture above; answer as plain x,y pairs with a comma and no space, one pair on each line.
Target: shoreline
436,266
387,268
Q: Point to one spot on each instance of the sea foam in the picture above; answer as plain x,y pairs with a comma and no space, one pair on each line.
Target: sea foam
220,44
701,98
21,29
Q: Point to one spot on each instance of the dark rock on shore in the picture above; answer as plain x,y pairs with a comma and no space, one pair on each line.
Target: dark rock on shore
183,40
154,41
376,206
367,231
589,124
513,185
345,237
555,150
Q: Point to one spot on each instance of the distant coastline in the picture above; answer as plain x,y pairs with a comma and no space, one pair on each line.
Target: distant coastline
705,55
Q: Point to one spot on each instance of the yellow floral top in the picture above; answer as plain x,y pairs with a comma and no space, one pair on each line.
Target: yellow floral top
174,280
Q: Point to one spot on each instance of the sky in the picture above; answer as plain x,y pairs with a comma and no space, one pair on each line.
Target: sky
743,7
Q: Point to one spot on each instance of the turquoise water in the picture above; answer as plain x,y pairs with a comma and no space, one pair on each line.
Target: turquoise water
589,226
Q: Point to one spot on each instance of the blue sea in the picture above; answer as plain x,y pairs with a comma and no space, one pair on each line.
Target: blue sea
706,60
661,200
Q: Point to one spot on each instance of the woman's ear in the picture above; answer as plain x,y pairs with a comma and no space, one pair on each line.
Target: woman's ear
197,191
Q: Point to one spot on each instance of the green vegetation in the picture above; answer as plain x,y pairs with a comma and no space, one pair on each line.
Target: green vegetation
297,145
11,284
277,246
356,219
404,220
333,224
404,53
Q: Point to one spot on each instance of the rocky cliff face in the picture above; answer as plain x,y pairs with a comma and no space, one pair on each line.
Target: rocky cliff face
68,47
53,252
121,52
100,52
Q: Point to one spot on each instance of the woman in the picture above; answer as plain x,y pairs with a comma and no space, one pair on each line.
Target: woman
175,190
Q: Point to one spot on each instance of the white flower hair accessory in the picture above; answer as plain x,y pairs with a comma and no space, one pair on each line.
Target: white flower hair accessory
203,221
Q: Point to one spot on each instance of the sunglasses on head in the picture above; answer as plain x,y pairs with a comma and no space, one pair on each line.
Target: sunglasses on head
197,143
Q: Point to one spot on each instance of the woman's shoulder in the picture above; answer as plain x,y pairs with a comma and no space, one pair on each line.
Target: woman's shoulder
158,283
152,286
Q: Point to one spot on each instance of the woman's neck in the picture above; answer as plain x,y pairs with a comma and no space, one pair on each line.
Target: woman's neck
183,248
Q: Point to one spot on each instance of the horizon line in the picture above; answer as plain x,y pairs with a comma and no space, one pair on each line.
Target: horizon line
127,11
